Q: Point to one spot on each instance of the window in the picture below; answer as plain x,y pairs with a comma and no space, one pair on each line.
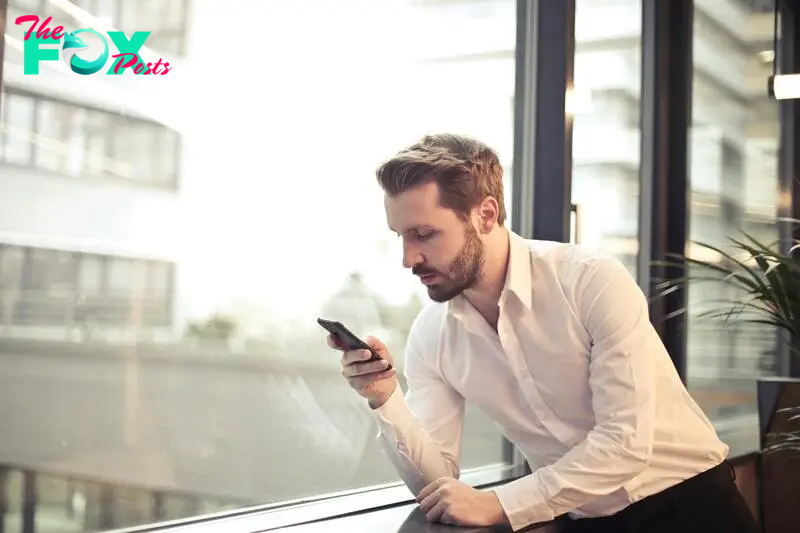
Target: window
69,139
91,280
167,42
11,259
135,150
107,9
59,288
29,5
167,20
11,267
98,144
61,131
734,140
18,128
606,139
49,280
191,375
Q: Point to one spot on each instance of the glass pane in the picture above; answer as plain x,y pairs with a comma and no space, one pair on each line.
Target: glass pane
75,138
49,282
189,374
85,4
143,15
120,275
60,137
134,150
174,13
11,260
167,43
107,9
734,143
606,138
18,126
98,145
168,156
32,6
159,277
90,277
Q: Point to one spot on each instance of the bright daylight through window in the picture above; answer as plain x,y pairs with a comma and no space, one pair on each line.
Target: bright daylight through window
160,294
168,242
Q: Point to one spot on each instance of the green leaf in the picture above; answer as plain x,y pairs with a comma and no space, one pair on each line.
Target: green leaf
762,280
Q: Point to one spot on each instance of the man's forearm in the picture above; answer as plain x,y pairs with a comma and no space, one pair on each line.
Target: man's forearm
417,458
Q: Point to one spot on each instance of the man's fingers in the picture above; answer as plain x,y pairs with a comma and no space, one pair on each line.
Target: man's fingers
437,512
429,489
362,369
428,502
446,518
355,356
362,382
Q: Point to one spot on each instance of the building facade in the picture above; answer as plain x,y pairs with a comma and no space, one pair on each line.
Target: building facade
90,186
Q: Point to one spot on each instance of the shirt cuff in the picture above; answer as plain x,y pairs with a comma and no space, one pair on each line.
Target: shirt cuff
394,413
522,504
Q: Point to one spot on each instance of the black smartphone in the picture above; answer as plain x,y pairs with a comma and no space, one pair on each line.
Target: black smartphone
349,339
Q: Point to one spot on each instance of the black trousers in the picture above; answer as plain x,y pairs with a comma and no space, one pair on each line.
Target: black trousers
709,502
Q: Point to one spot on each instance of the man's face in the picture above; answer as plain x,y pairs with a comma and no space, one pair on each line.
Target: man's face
438,246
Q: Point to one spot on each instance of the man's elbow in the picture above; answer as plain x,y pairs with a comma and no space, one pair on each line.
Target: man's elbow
416,480
632,449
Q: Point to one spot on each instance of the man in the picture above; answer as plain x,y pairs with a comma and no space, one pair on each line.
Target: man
555,344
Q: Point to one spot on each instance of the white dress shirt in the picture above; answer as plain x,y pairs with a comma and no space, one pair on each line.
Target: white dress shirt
575,376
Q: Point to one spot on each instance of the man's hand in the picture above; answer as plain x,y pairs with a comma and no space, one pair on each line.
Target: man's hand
452,502
370,380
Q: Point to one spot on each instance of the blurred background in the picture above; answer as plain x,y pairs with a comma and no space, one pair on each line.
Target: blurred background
167,242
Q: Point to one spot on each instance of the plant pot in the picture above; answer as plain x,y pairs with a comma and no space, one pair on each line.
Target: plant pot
780,471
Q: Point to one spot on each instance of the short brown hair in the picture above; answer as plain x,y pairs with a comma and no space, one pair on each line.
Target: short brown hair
465,170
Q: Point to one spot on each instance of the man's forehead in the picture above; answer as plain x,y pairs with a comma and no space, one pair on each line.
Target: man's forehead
426,195
417,208
422,220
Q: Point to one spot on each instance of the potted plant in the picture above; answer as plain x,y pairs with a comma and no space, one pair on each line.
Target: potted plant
762,283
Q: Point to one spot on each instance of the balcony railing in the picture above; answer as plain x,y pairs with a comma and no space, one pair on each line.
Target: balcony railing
71,309
78,503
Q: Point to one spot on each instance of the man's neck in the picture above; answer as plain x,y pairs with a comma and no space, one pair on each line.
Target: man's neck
485,295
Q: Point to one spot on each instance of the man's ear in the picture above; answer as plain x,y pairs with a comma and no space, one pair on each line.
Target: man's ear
488,211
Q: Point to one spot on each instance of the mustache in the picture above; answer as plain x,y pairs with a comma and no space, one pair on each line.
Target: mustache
421,271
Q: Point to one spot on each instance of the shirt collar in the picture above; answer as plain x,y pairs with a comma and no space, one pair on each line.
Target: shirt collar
518,277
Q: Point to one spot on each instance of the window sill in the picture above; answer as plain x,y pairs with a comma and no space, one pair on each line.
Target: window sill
319,508
384,508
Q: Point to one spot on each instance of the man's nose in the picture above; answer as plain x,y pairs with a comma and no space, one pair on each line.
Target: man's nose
411,257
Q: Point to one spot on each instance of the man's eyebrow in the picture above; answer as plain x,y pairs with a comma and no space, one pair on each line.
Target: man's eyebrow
417,227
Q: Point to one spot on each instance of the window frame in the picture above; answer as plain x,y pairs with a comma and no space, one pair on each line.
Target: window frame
539,76
168,182
543,69
101,292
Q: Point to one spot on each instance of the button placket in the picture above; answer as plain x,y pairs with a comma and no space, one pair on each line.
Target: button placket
518,360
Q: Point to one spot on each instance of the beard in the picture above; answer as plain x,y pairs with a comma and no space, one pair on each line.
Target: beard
463,271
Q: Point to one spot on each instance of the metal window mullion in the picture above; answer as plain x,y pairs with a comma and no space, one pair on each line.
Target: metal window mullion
788,61
666,111
541,190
